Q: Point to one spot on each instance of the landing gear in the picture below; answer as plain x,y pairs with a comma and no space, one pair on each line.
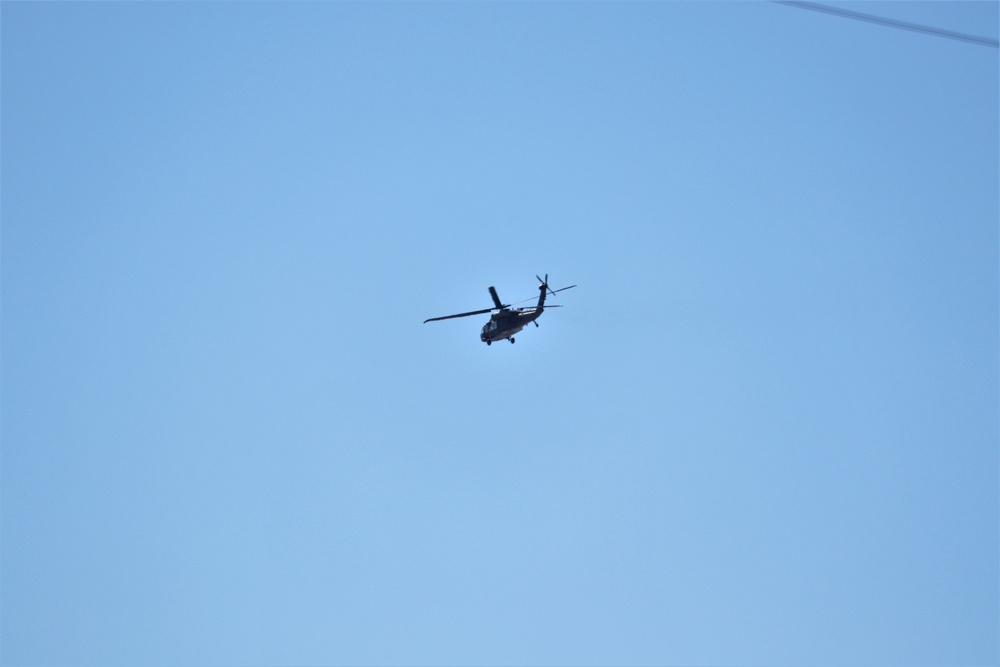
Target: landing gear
511,340
489,342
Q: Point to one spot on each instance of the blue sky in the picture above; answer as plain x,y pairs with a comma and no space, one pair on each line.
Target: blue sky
762,431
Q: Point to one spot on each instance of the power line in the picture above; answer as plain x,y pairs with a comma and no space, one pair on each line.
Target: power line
892,23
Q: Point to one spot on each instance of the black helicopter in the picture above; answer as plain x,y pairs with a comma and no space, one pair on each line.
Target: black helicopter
504,322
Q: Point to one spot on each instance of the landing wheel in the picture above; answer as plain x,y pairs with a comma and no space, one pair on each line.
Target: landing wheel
511,340
489,342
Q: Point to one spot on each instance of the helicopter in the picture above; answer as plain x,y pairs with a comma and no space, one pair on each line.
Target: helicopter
504,322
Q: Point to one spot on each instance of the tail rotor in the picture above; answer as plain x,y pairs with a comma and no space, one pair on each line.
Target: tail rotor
545,285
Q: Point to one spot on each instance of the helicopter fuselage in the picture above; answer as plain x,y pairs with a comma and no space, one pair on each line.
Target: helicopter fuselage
505,323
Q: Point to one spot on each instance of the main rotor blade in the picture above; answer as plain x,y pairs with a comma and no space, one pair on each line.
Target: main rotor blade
449,317
535,298
496,299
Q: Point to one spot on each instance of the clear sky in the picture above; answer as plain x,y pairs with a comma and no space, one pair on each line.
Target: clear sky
762,431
